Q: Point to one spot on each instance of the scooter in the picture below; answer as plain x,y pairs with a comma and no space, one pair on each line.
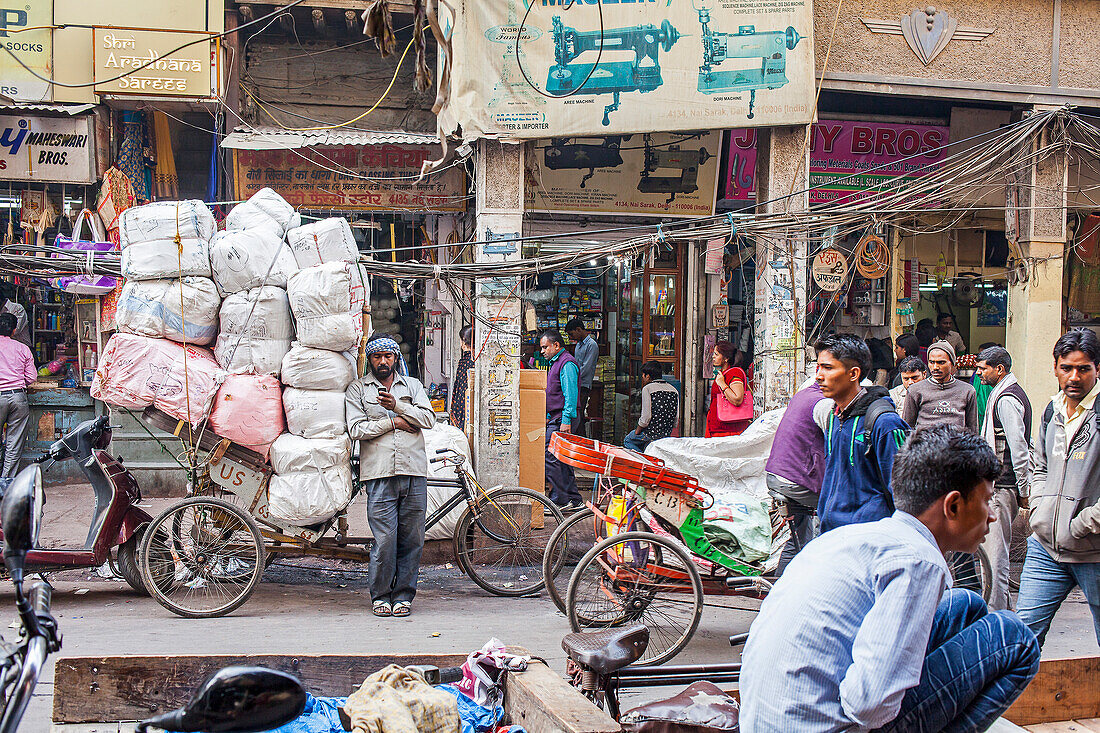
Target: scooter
117,521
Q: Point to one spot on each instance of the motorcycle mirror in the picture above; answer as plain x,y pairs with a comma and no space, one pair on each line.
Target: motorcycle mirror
236,700
21,518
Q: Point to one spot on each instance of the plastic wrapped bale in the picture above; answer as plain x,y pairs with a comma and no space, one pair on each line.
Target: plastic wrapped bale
312,480
265,210
308,368
184,310
248,409
327,302
256,331
249,259
136,372
328,240
314,413
148,238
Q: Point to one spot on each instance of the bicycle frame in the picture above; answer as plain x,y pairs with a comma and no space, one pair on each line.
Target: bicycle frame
470,489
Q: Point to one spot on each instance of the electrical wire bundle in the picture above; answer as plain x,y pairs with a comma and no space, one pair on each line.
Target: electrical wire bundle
48,261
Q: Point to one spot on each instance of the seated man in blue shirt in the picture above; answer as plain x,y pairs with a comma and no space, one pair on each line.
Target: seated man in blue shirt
859,634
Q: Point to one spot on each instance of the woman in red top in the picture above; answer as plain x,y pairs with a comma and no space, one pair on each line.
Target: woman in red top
730,384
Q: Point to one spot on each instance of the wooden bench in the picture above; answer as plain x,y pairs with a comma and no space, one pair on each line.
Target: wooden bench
1064,697
108,694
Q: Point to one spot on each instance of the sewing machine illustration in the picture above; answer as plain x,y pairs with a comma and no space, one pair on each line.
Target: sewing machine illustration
747,43
565,153
610,76
671,156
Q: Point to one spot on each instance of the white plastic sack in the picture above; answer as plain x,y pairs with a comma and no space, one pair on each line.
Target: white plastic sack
314,413
312,480
153,308
136,372
444,436
264,210
725,466
328,240
308,368
158,259
327,302
248,409
164,220
249,259
256,331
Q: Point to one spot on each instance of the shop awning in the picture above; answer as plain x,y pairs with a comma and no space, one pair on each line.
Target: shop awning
68,109
275,138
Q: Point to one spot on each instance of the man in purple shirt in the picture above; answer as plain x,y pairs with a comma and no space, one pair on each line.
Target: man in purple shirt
17,372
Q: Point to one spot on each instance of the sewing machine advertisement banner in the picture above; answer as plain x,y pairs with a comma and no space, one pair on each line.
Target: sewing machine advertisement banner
598,67
351,178
671,174
848,159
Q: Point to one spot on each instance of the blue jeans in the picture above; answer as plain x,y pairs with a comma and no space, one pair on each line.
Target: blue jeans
633,441
1045,583
397,509
977,664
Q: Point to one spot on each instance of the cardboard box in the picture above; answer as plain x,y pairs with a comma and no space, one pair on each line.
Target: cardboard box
532,429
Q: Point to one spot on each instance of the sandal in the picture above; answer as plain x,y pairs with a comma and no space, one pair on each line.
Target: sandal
382,608
402,608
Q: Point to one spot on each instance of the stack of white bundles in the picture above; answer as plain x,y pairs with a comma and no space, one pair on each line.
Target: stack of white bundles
256,331
266,210
327,302
250,258
184,310
318,369
136,372
328,240
314,413
312,480
248,409
149,236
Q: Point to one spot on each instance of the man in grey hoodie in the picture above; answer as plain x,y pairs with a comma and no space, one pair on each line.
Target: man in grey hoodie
1064,550
941,399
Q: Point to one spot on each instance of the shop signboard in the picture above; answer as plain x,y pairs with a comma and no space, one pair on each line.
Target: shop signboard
674,174
147,63
47,149
352,178
848,160
596,67
33,47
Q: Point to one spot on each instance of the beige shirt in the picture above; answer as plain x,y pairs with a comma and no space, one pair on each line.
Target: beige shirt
1076,420
384,450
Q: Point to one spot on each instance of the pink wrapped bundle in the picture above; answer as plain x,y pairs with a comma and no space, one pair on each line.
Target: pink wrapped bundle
137,371
248,410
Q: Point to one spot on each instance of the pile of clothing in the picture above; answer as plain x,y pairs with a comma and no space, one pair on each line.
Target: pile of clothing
253,329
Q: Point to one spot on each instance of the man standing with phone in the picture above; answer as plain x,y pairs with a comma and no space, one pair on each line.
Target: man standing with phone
386,411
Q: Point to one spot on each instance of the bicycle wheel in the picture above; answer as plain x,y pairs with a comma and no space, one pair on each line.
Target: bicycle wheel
500,540
202,558
566,546
638,577
972,572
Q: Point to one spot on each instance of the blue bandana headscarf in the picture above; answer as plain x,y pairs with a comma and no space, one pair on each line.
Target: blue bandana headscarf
385,343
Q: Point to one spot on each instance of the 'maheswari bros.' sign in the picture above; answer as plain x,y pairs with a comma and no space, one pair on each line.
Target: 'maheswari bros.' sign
147,63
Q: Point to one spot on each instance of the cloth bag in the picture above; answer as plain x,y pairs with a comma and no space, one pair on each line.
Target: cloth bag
483,673
98,242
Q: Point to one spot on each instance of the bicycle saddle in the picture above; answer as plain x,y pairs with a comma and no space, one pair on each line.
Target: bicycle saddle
605,652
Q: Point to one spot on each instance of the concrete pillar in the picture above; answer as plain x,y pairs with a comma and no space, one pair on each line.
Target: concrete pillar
499,168
1035,303
782,168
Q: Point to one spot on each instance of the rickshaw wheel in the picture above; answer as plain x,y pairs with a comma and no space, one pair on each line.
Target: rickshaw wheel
638,578
567,545
202,557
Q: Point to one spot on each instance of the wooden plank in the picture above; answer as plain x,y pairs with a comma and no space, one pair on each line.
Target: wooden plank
97,689
1064,689
1092,724
542,701
1000,725
1065,726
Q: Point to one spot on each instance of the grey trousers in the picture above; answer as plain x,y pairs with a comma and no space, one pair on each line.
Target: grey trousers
1005,507
15,417
397,508
801,505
